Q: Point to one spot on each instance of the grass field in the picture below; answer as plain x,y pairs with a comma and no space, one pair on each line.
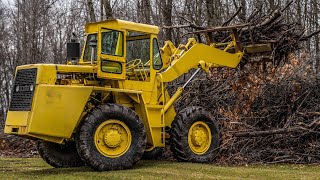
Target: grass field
35,168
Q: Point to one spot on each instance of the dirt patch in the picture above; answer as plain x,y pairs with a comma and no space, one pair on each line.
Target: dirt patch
13,146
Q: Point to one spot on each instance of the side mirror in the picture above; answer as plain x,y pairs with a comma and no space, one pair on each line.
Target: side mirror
93,43
93,46
73,49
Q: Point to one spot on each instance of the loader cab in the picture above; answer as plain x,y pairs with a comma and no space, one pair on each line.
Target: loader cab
122,50
142,56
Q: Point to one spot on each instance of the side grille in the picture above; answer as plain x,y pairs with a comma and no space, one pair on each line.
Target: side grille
23,89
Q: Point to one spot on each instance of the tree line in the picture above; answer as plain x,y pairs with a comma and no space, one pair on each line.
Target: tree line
36,31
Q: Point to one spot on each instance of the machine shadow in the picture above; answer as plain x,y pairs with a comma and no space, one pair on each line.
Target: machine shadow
56,171
144,164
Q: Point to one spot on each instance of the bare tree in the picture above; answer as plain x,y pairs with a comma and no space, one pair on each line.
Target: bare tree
144,11
108,9
272,4
243,14
210,12
166,6
91,11
316,40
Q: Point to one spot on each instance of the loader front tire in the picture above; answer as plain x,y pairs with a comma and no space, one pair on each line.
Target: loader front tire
195,136
59,155
111,137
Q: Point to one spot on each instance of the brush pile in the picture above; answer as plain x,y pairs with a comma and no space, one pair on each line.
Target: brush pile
268,109
270,117
270,28
284,37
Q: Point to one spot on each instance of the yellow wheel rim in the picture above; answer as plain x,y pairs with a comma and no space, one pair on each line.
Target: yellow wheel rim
112,138
199,137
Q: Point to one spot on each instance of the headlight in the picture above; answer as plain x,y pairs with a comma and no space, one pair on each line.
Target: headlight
31,87
17,88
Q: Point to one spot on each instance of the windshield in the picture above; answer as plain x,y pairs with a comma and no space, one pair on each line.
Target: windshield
138,49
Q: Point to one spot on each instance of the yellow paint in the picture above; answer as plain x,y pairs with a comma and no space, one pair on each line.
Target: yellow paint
58,106
119,50
60,68
121,42
56,109
199,137
112,138
121,24
117,90
173,99
17,118
200,52
156,125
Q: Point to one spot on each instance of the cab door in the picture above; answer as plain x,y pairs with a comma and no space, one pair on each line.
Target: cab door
111,53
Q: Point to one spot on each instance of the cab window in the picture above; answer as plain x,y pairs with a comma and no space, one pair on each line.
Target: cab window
112,42
138,48
111,67
88,49
157,61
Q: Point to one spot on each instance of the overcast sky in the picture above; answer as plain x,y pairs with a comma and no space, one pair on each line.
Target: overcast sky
7,2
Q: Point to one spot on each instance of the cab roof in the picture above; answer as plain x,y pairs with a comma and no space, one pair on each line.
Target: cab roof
117,24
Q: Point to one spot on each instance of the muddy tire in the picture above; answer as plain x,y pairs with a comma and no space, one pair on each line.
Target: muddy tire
59,155
111,137
195,136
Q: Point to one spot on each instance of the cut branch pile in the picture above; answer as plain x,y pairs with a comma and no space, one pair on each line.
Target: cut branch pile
265,117
285,37
261,28
269,109
282,125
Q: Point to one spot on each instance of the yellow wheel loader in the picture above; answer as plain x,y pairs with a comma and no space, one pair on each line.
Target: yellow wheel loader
109,106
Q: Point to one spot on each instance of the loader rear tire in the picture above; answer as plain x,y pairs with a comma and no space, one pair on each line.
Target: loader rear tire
195,136
111,137
59,155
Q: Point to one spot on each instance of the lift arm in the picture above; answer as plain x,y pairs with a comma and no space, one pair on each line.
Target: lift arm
195,55
199,54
